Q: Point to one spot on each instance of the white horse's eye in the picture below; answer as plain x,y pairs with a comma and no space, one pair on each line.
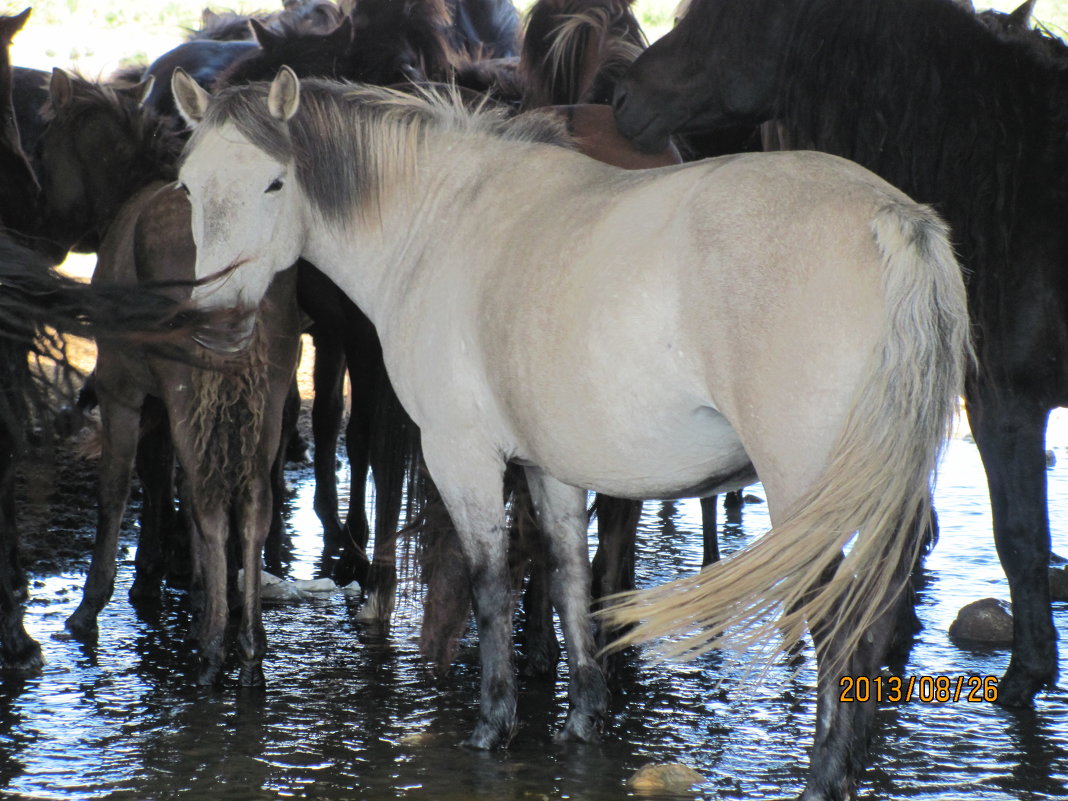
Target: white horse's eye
182,187
276,184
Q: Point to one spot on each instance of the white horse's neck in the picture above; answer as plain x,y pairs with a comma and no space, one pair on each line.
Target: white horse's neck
436,214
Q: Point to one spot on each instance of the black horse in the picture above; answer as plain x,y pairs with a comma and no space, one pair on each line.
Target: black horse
962,113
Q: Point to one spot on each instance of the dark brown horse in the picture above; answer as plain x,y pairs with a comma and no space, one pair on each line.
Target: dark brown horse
225,427
969,116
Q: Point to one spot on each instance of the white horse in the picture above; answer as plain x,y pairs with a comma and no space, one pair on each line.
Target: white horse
649,335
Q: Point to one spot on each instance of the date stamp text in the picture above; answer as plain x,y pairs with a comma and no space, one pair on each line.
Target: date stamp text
925,689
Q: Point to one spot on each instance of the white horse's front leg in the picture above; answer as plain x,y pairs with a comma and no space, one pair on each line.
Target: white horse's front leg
472,486
561,512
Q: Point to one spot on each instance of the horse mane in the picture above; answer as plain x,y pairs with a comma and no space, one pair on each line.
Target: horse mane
157,140
574,49
422,30
968,119
350,143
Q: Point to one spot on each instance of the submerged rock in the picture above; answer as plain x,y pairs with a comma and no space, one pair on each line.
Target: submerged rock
987,621
671,777
417,739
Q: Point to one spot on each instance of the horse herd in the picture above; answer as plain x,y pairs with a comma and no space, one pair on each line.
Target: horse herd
523,322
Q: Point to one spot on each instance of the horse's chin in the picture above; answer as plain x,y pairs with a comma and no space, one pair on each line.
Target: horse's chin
230,339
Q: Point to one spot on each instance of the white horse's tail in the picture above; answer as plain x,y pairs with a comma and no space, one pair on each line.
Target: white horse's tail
873,493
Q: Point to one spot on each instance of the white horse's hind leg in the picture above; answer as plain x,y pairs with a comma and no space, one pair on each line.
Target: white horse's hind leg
472,487
561,512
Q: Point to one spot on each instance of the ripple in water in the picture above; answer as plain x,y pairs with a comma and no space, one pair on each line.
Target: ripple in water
350,712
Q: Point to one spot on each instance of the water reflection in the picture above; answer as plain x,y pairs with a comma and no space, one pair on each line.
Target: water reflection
350,712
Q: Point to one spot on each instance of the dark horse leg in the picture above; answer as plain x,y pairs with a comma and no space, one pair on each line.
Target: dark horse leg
447,603
391,447
1010,432
529,554
253,520
296,447
155,467
709,537
274,545
209,543
18,650
613,563
542,650
120,420
327,409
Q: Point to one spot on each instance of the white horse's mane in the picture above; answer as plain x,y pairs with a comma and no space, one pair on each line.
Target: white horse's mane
351,142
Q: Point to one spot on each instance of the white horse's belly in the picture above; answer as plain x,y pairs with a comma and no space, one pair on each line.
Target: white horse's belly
693,454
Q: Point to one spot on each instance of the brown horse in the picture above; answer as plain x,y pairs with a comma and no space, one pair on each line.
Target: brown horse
224,426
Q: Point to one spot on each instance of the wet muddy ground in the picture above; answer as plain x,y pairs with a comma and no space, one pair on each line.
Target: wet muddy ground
350,712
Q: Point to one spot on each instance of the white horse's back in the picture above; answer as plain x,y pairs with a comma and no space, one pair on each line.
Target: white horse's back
638,356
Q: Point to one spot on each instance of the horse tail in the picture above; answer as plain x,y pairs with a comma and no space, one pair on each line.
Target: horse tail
571,45
871,497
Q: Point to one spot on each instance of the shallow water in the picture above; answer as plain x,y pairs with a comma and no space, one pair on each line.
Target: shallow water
350,713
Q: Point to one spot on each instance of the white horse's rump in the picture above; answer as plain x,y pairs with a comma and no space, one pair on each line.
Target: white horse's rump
643,334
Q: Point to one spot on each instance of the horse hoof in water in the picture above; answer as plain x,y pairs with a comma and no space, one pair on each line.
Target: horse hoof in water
488,736
24,660
1017,689
80,626
145,591
210,673
580,728
252,676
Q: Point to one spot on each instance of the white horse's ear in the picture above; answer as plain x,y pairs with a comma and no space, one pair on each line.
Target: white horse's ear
189,97
59,88
283,99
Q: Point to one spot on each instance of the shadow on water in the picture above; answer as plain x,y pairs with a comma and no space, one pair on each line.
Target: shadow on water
351,713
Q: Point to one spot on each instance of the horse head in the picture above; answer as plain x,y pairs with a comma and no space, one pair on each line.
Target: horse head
718,67
98,147
238,172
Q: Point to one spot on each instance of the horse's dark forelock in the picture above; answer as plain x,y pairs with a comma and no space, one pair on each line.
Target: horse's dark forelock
931,99
344,138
